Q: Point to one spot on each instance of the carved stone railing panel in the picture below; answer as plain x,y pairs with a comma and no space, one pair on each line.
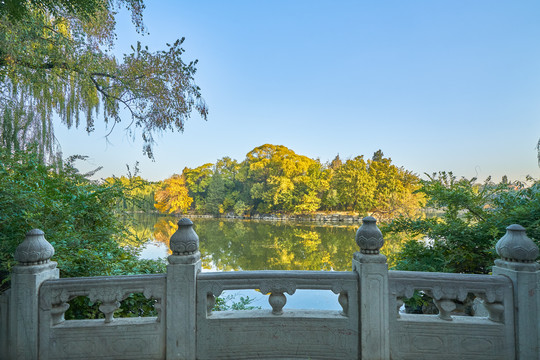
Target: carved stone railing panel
276,283
280,332
109,290
133,338
446,335
446,289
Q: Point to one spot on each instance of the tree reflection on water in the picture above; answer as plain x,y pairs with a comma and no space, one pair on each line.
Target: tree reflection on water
231,244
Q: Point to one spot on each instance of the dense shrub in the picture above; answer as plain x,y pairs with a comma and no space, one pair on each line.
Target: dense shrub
79,218
472,218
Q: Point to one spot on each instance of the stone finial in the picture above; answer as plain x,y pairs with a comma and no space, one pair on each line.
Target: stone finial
368,237
184,241
34,250
515,246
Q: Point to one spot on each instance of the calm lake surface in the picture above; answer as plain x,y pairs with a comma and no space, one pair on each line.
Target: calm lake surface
233,244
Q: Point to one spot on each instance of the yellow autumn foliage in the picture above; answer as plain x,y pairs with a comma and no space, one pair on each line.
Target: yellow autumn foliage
172,196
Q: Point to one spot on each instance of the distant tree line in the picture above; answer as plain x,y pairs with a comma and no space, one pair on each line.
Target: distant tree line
274,179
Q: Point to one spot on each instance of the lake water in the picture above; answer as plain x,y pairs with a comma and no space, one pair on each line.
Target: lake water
233,245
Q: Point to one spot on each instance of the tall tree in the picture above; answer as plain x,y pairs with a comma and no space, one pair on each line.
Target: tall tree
378,155
282,181
354,185
228,170
55,59
172,196
396,189
197,181
336,163
215,195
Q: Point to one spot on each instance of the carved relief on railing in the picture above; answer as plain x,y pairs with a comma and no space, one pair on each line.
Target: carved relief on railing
447,289
210,303
110,298
343,300
494,307
276,284
57,302
213,290
110,291
340,289
445,307
276,288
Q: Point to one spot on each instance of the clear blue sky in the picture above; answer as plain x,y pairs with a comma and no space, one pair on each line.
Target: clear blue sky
437,85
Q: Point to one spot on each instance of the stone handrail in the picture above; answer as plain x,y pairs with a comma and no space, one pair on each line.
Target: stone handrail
109,290
449,334
304,333
133,338
276,283
445,288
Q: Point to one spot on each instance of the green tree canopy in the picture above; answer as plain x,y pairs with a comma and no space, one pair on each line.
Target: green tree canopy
197,181
538,149
396,189
473,217
55,59
355,186
79,218
283,181
224,188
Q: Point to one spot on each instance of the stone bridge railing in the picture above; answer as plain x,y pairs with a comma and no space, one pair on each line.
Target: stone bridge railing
369,325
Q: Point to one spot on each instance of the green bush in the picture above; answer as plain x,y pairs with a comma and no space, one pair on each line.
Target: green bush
473,218
79,217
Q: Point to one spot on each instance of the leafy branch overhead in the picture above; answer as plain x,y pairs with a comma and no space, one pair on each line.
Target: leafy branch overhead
57,60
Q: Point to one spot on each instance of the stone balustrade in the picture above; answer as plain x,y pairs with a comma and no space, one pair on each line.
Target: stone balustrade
107,290
276,283
370,324
446,289
304,333
449,334
138,337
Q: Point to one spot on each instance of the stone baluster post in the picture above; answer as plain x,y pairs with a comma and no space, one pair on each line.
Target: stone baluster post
184,265
33,268
518,262
373,295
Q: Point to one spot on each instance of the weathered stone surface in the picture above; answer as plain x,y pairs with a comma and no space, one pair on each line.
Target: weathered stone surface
34,250
184,241
112,337
368,237
283,333
515,246
448,335
24,308
518,253
184,265
4,324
